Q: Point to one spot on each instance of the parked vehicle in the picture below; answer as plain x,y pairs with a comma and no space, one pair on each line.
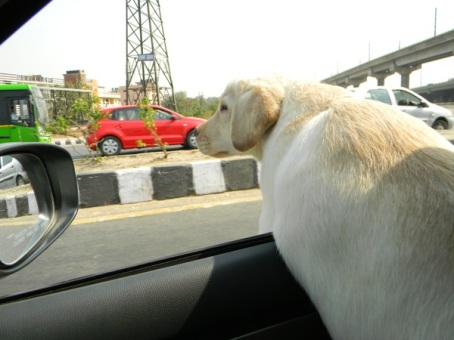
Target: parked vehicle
23,114
122,128
412,103
11,172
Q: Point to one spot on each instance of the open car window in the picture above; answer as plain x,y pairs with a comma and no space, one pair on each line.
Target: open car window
172,249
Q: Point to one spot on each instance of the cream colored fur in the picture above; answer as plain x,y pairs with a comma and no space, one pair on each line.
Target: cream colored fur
359,197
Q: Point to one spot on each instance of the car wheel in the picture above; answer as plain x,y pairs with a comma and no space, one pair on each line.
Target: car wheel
191,142
20,181
440,125
110,146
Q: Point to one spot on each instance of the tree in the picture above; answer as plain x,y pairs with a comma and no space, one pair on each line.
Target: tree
195,107
62,99
83,112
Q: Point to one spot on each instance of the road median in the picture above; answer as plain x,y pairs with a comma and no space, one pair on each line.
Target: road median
159,182
162,182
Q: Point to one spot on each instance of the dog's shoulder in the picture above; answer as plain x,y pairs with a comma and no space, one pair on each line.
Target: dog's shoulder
306,100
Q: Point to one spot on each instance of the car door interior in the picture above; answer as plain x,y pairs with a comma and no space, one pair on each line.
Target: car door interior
240,289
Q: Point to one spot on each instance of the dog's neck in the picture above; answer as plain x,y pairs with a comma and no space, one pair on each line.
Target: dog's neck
257,150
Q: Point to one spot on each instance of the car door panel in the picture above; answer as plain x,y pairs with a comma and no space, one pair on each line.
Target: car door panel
132,128
238,290
135,130
170,130
418,112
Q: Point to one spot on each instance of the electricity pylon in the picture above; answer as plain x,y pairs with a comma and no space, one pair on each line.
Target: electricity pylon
147,61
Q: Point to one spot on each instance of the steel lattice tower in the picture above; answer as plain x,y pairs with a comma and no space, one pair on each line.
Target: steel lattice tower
147,60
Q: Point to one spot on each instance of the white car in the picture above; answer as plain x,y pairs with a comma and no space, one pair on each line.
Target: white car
11,173
412,103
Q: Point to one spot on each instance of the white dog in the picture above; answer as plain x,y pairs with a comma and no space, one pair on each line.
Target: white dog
360,200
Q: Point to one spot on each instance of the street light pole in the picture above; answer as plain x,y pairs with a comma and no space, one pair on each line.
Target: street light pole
435,23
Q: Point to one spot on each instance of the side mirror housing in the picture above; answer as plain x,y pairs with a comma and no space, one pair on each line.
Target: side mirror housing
54,196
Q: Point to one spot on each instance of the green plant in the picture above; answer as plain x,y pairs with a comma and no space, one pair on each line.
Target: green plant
69,123
195,107
146,113
140,144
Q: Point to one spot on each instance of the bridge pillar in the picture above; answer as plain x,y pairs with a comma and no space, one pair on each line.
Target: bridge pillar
357,81
380,76
380,79
405,74
405,79
341,82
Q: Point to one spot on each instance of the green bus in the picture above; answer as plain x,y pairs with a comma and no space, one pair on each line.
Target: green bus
23,114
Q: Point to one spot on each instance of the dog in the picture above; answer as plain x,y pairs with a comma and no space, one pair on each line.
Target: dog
360,200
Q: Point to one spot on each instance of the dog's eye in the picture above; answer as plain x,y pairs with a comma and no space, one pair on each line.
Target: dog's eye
223,107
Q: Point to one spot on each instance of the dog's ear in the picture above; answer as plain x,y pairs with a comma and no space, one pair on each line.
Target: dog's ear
256,109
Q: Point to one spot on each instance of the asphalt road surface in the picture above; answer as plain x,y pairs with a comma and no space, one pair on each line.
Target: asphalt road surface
107,238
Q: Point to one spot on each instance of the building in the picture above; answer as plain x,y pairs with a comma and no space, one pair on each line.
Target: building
136,94
107,98
75,77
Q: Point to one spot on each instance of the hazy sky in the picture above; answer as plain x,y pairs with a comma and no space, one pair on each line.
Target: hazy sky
211,41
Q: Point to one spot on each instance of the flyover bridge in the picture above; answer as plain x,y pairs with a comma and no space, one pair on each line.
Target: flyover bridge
403,61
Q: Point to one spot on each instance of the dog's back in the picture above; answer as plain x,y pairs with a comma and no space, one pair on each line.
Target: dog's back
364,217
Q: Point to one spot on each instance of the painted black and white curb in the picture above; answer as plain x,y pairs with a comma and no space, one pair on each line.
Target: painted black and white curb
15,206
165,182
67,141
150,183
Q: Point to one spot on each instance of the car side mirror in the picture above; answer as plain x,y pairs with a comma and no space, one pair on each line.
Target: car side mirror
36,210
174,116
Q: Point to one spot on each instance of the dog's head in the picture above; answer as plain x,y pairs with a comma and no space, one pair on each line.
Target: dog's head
247,109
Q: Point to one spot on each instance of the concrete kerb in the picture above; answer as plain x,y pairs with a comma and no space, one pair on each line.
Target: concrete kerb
150,183
167,181
163,182
66,141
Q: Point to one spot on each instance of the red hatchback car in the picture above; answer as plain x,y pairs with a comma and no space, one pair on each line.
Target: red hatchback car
122,127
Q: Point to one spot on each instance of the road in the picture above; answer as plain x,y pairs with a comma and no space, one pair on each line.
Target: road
106,238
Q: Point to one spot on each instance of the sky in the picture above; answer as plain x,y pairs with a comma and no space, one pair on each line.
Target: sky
209,42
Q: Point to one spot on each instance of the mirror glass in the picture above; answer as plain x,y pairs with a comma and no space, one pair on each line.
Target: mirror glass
21,224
